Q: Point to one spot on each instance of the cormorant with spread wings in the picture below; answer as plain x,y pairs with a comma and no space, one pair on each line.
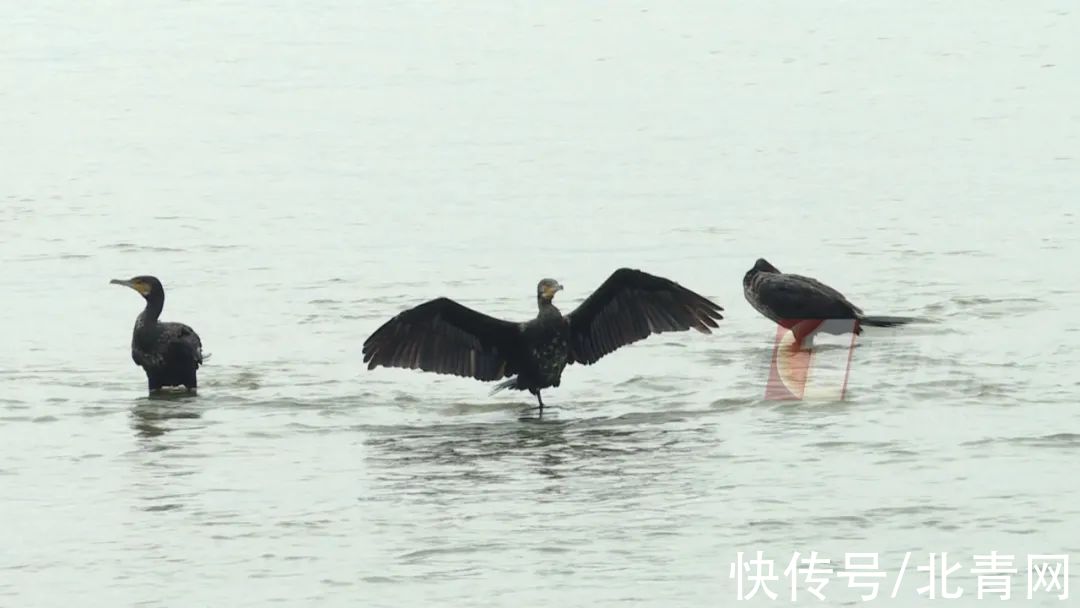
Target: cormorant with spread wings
445,337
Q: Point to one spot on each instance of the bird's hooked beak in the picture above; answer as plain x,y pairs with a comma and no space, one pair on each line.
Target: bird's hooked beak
551,290
138,286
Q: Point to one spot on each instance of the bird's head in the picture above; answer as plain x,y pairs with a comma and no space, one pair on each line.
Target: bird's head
763,266
546,289
144,284
759,266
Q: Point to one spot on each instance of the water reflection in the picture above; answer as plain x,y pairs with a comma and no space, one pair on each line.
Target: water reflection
150,416
460,444
447,454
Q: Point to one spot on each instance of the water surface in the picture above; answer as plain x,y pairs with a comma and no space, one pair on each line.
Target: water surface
296,173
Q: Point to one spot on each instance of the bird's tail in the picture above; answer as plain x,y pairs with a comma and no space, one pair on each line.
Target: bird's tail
886,321
505,384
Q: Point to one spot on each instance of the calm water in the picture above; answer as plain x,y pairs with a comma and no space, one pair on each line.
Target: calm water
296,173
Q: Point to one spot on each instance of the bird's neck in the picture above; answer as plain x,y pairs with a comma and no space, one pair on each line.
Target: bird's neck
154,304
546,307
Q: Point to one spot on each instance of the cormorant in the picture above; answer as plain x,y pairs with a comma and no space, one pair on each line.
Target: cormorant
170,353
445,337
802,304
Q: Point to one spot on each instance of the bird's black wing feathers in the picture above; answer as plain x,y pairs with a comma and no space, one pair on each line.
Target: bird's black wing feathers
167,344
631,305
147,359
792,296
445,337
184,343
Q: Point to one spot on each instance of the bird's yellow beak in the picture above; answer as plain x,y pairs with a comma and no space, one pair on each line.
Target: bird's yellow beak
138,286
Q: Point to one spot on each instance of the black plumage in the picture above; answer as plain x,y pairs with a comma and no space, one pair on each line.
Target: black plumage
802,304
445,337
169,352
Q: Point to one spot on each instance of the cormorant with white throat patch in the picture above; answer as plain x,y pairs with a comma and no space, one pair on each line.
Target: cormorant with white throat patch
169,352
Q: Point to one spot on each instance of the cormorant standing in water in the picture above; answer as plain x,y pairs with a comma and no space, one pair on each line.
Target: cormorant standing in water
445,337
170,353
802,304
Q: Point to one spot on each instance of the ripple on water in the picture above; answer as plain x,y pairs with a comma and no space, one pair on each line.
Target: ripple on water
1055,440
136,248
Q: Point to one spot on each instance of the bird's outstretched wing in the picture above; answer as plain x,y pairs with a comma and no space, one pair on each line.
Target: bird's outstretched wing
795,297
630,306
445,337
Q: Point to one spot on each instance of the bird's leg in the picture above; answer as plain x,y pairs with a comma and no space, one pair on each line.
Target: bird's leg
541,414
803,333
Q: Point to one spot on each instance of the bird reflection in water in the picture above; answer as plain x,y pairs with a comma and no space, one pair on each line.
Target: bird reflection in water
150,415
437,458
